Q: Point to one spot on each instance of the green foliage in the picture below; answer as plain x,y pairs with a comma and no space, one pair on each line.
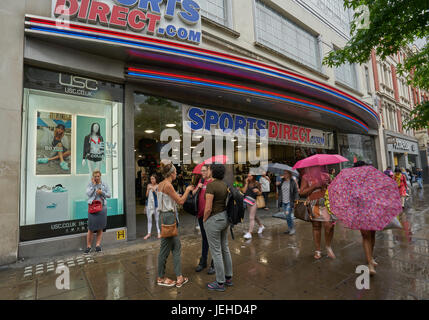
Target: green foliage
394,24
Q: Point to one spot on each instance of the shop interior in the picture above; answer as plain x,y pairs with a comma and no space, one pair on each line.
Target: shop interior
153,115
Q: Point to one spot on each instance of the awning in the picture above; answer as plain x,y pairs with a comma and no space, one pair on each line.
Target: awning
215,76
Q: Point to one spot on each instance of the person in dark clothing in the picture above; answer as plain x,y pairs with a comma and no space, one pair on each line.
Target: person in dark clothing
288,194
201,188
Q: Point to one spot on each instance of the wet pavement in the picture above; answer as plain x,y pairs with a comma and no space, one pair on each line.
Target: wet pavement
271,266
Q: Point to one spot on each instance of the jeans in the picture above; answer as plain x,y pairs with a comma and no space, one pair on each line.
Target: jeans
169,245
205,244
420,182
217,235
287,208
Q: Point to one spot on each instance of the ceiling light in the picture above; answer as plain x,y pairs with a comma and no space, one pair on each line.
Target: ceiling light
149,131
193,147
170,125
177,140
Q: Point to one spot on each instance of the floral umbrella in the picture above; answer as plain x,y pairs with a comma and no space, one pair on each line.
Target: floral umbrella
364,198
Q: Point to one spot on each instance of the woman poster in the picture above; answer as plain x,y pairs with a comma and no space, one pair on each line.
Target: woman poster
90,145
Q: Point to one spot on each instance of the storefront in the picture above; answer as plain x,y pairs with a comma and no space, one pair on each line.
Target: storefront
402,152
145,95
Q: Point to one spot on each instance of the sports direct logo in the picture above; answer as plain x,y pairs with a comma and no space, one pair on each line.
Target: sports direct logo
176,19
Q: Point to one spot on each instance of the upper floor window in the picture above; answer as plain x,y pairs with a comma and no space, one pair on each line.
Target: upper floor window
282,35
332,13
214,10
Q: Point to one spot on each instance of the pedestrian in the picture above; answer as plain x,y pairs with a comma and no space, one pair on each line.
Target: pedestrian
288,194
251,190
202,187
313,186
368,239
167,201
402,185
388,172
216,225
97,222
407,179
265,187
152,206
332,174
420,178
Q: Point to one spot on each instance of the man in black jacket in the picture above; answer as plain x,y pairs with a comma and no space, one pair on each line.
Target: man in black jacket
288,193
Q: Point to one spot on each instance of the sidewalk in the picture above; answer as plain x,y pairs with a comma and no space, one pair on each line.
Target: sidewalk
270,266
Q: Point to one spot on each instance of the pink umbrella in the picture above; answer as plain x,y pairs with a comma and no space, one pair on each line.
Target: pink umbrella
364,198
319,160
215,159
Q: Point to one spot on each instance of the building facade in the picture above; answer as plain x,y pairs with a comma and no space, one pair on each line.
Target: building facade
116,85
396,99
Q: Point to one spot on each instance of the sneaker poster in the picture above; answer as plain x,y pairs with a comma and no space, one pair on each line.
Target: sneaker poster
53,150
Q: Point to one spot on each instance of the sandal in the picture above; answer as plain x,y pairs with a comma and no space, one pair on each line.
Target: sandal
318,255
166,282
374,263
180,284
147,236
159,236
330,253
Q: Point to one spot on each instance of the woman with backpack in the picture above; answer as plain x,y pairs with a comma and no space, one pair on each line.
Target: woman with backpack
251,190
216,225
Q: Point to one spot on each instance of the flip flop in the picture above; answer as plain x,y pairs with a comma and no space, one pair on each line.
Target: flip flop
166,283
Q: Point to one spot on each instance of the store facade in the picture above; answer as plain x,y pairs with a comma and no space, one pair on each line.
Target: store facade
402,151
147,94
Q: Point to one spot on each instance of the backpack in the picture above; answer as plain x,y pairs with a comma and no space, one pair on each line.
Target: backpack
234,207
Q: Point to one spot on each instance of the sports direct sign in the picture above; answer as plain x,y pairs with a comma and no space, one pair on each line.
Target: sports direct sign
204,121
173,19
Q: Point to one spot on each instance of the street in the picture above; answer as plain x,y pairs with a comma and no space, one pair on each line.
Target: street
270,266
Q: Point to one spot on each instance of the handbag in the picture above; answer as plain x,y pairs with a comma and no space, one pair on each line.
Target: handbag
95,207
260,202
168,230
302,210
394,224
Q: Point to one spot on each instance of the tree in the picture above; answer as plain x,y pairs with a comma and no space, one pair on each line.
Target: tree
393,24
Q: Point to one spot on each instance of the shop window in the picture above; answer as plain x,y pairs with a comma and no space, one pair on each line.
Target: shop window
357,147
72,126
284,36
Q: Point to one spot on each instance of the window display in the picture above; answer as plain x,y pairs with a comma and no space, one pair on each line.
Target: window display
67,137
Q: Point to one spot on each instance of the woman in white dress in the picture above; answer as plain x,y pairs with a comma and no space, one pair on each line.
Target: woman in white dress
152,207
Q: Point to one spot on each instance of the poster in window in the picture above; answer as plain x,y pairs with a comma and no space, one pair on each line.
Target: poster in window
90,144
53,150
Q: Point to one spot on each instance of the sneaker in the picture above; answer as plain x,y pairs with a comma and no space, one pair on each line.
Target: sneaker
248,235
42,160
211,271
292,232
87,250
262,228
98,249
287,232
229,283
64,166
214,286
